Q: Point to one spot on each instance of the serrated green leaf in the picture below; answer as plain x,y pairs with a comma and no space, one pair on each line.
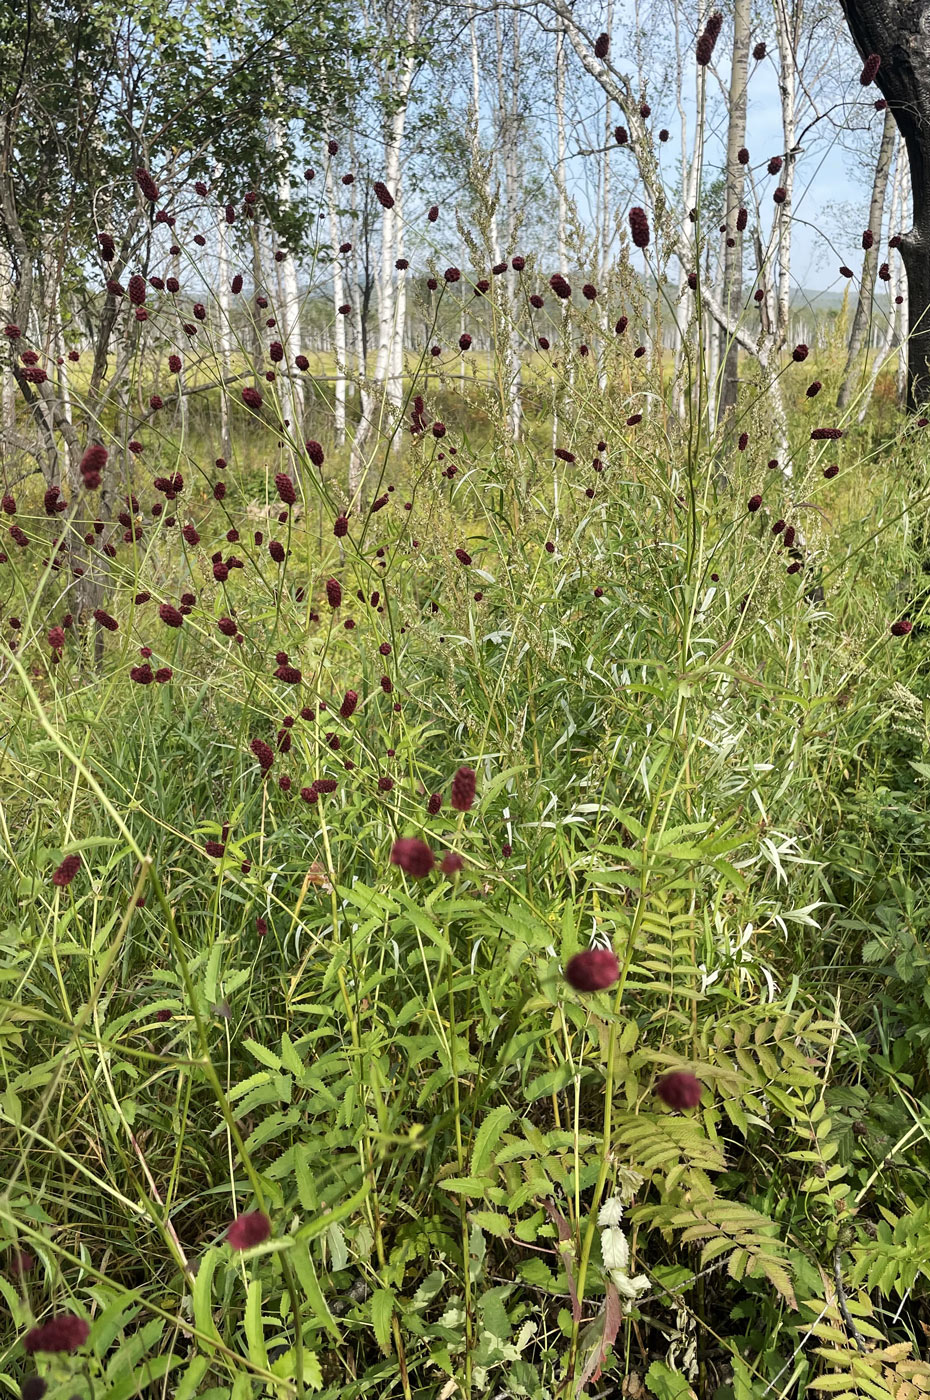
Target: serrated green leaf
290,1058
487,1138
464,1185
201,1294
493,1222
429,1289
187,1386
254,1330
551,1082
263,1054
382,1311
313,1293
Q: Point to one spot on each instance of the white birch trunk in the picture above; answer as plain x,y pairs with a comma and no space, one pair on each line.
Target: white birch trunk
339,322
7,382
560,169
396,389
224,333
398,93
605,221
786,30
288,316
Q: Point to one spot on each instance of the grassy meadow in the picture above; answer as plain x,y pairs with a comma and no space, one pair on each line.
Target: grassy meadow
694,745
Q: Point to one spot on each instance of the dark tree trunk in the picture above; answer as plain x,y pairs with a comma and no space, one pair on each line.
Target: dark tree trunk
899,32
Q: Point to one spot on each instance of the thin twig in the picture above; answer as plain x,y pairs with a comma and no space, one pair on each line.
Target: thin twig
851,1327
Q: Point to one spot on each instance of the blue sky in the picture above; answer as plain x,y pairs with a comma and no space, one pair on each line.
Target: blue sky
834,173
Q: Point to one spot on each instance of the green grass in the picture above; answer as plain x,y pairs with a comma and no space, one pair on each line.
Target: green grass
725,781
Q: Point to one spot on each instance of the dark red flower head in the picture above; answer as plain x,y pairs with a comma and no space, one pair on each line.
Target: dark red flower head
251,398
704,49
463,789
451,863
413,856
349,703
870,69
601,45
639,227
560,286
868,238
800,353
759,51
463,556
146,184
679,1090
383,195
246,1231
742,155
754,503
593,970
621,135
170,615
67,870
263,753
333,592
314,452
286,489
901,627
64,1332
434,803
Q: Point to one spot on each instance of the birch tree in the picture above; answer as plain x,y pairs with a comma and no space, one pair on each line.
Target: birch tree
734,214
338,299
862,319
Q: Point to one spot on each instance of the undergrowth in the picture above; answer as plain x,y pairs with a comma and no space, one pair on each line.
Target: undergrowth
695,743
